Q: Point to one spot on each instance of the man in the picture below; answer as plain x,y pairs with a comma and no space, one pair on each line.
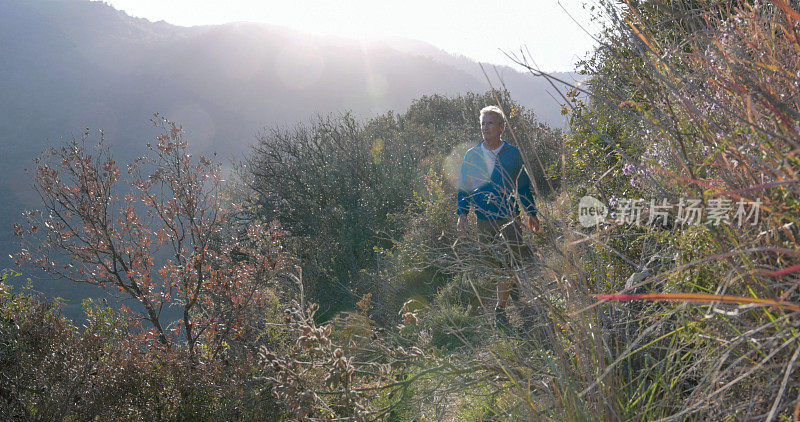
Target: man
491,173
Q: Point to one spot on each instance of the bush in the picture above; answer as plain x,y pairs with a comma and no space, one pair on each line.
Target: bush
53,370
688,100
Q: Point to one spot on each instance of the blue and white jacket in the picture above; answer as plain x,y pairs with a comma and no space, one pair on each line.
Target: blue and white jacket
493,193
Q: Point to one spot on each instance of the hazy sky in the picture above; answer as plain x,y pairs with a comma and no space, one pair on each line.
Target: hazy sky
476,29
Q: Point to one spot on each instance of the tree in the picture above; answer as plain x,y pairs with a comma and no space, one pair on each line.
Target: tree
159,237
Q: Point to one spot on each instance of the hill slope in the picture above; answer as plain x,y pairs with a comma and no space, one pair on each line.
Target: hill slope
73,64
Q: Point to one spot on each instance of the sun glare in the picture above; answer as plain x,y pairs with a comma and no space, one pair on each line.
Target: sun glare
472,28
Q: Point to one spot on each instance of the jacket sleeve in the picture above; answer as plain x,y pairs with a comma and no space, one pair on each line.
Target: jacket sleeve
525,190
462,196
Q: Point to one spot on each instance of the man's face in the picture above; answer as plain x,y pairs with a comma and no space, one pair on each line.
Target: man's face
491,127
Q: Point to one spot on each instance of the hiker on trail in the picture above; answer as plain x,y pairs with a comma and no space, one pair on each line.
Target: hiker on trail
491,174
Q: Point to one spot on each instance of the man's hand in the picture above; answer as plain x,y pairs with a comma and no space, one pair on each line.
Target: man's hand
533,223
462,224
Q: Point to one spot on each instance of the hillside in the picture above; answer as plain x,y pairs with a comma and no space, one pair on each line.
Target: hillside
656,276
74,64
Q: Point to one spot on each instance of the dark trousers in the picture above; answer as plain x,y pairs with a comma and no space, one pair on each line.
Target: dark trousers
504,238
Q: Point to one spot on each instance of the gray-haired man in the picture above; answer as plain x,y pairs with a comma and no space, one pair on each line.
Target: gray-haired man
492,172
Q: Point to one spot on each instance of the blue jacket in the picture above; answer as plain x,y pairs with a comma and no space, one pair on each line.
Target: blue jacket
492,194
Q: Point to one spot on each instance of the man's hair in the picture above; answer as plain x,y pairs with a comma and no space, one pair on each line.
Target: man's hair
494,110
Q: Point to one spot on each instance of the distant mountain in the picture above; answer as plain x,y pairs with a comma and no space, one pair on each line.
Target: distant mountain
70,64
535,93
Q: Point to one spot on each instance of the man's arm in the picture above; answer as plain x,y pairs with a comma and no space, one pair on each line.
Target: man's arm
462,196
462,224
524,187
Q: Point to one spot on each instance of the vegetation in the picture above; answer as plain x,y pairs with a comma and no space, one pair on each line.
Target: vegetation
693,101
385,314
345,190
